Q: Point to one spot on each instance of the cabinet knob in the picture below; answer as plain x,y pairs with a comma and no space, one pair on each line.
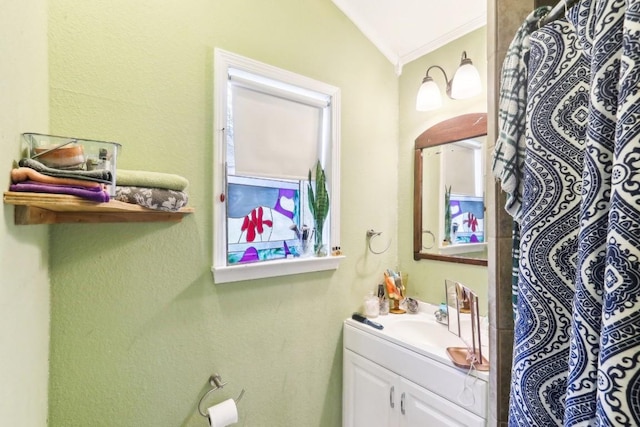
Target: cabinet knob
402,403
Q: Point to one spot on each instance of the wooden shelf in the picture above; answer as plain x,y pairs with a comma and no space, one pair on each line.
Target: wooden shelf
45,208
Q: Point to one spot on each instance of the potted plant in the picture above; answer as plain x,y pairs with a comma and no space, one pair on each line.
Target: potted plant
319,206
447,216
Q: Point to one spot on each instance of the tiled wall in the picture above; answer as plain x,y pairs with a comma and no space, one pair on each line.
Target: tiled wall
503,19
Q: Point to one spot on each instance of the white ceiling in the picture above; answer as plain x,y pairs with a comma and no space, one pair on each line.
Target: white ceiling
404,30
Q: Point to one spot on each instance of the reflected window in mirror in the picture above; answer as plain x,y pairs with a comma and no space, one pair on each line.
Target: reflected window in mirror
449,177
462,195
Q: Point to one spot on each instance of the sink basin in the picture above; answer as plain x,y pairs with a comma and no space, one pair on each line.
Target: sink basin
422,331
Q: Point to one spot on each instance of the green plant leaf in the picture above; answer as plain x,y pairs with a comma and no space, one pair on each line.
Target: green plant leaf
310,196
318,199
447,214
322,196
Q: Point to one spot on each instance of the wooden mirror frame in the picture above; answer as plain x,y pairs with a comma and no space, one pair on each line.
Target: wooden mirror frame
455,129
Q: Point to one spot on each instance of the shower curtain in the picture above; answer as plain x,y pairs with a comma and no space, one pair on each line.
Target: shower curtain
577,329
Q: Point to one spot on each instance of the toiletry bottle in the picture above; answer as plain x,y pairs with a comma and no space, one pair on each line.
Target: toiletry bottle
371,305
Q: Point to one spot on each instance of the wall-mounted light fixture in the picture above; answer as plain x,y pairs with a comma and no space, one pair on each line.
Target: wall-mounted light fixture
465,84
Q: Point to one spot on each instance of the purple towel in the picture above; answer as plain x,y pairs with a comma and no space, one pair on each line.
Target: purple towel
95,195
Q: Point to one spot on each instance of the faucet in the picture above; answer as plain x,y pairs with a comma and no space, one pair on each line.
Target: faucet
442,316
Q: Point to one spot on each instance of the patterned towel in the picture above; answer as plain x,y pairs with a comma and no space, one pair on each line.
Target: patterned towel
153,198
100,175
508,156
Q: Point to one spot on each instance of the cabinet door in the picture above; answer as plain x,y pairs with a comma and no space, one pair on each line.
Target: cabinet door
371,395
422,408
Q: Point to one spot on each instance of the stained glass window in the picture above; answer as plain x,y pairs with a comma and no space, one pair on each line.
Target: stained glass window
264,219
467,219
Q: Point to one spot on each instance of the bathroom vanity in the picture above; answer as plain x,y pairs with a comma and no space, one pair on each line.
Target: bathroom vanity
401,375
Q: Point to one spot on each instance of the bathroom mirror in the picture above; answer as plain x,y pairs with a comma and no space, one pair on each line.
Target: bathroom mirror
448,202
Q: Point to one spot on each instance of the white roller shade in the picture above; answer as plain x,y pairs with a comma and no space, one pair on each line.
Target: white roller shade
277,132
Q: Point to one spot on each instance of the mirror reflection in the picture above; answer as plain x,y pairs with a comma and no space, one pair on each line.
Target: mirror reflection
451,289
449,209
453,207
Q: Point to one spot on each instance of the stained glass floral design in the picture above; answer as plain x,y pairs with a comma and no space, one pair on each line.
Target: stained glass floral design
262,216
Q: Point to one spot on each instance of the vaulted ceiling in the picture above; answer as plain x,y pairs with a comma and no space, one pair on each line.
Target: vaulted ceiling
404,30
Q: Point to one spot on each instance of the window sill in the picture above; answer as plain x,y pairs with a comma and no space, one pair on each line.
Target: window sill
461,248
285,267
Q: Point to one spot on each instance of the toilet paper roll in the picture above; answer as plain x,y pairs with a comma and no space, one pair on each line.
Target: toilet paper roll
223,414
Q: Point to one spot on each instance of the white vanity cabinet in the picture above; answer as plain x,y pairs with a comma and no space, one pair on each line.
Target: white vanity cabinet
421,408
371,393
380,389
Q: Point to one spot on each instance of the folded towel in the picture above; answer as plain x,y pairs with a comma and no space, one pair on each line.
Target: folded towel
93,194
131,178
99,175
152,198
28,174
97,189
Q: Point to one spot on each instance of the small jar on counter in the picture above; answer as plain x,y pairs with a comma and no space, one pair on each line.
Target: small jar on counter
371,305
384,305
383,302
413,306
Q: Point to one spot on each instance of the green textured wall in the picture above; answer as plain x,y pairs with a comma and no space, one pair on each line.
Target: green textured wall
137,323
426,276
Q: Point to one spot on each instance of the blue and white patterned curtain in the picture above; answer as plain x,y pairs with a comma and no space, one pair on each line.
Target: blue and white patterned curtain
577,332
557,111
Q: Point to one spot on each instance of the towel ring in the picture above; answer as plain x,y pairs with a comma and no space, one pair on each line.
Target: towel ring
433,239
216,383
370,235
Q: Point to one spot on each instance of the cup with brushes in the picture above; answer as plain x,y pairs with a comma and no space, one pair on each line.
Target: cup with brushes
396,289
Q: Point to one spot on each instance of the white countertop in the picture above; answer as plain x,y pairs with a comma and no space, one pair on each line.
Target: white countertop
401,329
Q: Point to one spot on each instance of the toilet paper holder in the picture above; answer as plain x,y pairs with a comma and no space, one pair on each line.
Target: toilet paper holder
216,383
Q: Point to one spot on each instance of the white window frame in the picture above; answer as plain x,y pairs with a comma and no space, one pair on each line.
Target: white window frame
223,273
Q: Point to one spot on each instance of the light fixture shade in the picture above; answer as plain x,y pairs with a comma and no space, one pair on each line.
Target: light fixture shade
429,97
466,82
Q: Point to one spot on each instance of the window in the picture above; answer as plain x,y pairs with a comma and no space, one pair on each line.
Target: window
271,127
462,169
